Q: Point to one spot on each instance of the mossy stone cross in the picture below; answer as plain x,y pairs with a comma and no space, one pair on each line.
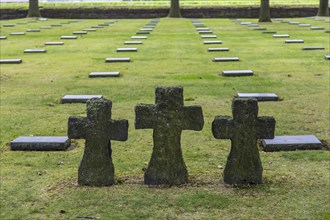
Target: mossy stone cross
167,119
96,167
243,164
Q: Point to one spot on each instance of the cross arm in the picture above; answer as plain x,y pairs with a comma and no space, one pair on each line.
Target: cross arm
145,116
118,130
222,127
192,118
77,127
265,127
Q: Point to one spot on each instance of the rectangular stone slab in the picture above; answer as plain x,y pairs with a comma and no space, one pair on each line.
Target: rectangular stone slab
69,37
294,41
139,37
10,61
3,37
114,60
17,33
237,73
104,25
252,25
104,74
291,143
78,98
281,36
97,27
245,23
209,36
40,143
146,29
205,32
89,29
79,32
54,43
34,51
327,57
226,59
317,28
56,25
269,32
133,42
313,48
127,50
9,25
217,49
33,30
143,32
294,22
212,42
304,25
202,29
261,97
46,27
260,29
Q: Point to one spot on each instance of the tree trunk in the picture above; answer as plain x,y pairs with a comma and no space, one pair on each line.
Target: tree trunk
34,9
264,11
175,9
323,8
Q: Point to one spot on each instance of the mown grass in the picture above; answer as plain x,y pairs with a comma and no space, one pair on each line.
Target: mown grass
42,185
162,4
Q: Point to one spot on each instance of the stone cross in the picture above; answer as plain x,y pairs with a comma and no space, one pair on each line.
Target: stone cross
243,164
167,119
96,167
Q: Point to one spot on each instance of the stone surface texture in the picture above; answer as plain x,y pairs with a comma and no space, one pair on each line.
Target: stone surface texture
98,129
40,143
168,117
243,164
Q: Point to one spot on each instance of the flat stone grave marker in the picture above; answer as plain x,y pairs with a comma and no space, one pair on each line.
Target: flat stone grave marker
225,59
89,29
104,25
317,28
269,32
313,48
237,73
46,27
199,25
327,31
260,29
243,165
261,97
104,74
212,42
56,25
327,57
79,32
139,37
168,118
115,60
252,25
146,29
42,19
209,36
54,43
73,21
33,30
205,32
277,19
133,42
127,50
8,25
97,27
17,33
3,37
202,29
281,36
291,143
296,41
10,61
143,32
294,22
98,129
68,37
304,25
217,49
78,98
40,143
245,23
35,51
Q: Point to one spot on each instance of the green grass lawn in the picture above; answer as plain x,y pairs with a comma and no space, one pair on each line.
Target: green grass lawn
163,3
43,185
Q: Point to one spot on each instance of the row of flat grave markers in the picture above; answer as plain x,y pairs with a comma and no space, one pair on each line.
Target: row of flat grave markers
135,40
201,29
168,118
288,41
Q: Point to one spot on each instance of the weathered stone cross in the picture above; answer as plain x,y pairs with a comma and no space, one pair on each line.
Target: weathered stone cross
96,167
167,119
243,163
